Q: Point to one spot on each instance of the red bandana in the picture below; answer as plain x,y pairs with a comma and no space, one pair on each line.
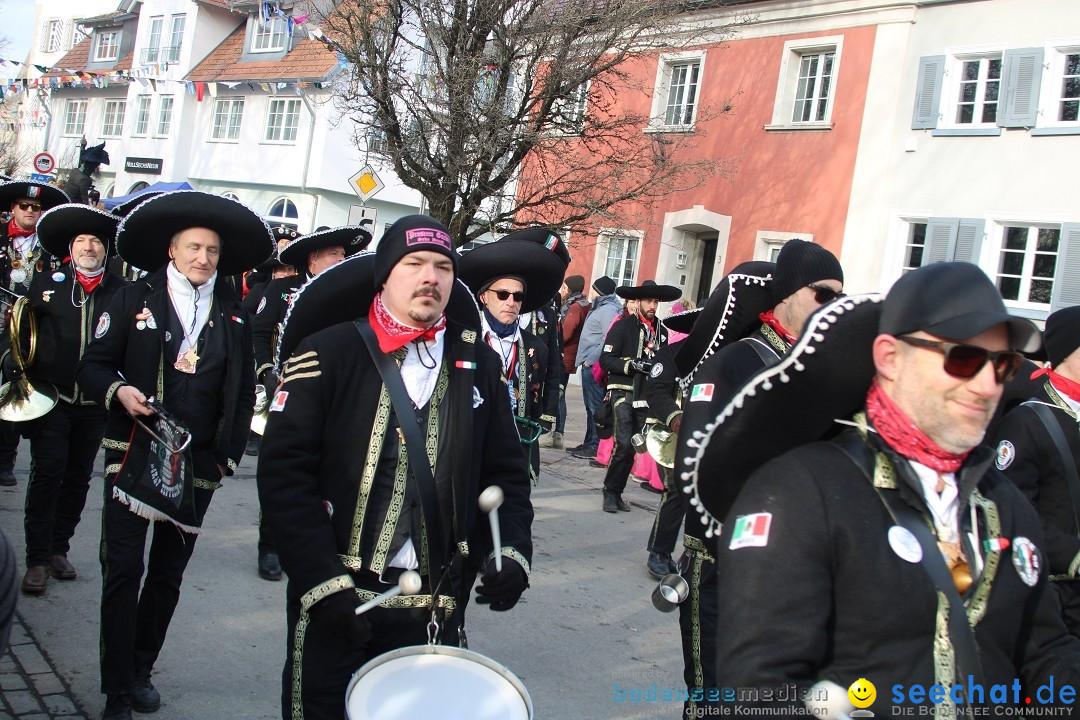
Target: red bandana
1062,384
393,335
14,231
769,319
88,283
902,435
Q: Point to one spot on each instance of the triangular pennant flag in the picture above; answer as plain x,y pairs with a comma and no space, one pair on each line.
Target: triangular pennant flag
212,87
200,87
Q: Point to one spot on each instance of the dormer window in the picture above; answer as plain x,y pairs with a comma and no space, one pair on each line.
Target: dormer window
268,36
107,45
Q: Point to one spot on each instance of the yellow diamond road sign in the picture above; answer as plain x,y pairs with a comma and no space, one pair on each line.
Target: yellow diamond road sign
366,183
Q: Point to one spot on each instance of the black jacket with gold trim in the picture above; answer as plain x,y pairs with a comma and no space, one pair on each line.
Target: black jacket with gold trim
320,436
626,341
269,314
121,353
41,262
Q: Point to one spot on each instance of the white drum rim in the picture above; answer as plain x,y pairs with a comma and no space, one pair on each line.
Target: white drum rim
449,651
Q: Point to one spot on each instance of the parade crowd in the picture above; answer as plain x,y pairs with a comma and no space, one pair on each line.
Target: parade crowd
869,489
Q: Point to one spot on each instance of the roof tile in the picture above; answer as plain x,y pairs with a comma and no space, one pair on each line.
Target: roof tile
309,60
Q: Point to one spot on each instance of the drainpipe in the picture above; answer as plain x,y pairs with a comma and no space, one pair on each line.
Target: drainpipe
307,162
48,123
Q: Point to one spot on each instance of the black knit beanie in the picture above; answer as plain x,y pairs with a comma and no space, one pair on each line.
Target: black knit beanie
1062,334
800,263
575,283
604,285
412,233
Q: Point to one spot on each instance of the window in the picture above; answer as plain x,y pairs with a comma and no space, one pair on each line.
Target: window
1059,110
768,242
806,87
54,37
75,117
915,247
678,82
1027,264
176,39
376,140
165,116
107,46
153,43
227,115
568,114
283,120
142,115
977,91
622,255
112,125
283,212
1068,99
268,37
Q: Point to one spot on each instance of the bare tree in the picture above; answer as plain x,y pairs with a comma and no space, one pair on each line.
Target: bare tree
461,96
13,154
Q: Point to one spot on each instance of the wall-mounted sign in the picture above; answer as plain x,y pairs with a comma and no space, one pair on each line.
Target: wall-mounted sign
147,166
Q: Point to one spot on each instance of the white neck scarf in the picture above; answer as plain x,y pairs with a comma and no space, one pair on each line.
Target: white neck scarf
191,303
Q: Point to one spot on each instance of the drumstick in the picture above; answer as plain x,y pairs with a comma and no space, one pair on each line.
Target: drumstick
408,584
490,500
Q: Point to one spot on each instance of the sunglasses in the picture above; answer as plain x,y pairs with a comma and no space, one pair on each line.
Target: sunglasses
505,294
36,207
825,294
965,361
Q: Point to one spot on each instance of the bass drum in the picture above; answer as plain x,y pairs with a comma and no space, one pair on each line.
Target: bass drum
436,682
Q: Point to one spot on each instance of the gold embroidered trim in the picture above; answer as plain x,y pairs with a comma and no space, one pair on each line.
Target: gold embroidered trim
293,367
547,418
468,336
298,665
1056,397
618,386
695,623
325,589
265,366
463,548
301,376
944,656
231,464
514,555
977,607
408,601
696,545
113,469
352,562
1074,566
393,511
111,392
371,462
206,484
778,343
114,445
301,358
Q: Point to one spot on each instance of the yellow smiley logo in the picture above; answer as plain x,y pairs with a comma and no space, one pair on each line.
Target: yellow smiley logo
862,693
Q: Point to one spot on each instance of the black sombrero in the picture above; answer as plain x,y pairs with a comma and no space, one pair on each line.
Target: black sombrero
58,226
649,289
537,267
124,209
682,322
144,235
47,195
731,312
548,237
351,237
822,379
345,292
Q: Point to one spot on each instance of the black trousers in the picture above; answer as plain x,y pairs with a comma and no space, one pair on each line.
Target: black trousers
627,422
669,516
266,542
134,622
63,447
697,623
9,443
317,672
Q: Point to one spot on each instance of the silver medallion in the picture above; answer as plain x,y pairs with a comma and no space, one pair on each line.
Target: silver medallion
18,275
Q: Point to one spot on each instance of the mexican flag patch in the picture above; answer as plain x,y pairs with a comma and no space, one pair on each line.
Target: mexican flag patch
702,392
751,531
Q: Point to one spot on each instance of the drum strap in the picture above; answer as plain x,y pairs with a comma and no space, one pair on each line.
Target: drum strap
414,444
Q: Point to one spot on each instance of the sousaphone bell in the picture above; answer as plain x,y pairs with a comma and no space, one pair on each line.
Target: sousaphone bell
19,399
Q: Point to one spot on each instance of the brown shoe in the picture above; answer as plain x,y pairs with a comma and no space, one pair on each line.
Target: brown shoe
61,568
34,580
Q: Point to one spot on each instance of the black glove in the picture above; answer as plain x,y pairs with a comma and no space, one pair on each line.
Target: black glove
502,589
338,613
10,368
269,380
641,366
545,426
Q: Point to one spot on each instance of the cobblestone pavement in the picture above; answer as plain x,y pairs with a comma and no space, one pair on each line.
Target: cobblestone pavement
30,687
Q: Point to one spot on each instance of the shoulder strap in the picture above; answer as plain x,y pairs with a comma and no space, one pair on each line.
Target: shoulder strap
1068,461
907,517
765,352
414,443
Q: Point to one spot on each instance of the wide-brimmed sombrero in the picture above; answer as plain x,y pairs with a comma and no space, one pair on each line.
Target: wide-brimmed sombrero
58,226
351,237
731,312
822,379
538,268
47,195
548,237
124,209
144,235
682,322
649,289
345,292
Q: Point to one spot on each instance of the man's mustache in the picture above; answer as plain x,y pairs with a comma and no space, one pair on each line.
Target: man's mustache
428,291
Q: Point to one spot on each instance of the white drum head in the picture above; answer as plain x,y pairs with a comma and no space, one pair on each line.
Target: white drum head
436,683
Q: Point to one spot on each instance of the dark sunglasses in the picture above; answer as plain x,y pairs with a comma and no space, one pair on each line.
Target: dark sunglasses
825,294
965,361
36,207
504,294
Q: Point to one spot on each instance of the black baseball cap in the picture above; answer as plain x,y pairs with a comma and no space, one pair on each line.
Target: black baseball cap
955,301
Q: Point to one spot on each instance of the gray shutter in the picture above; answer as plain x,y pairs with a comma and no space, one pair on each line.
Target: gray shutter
928,92
1021,74
1067,273
940,239
43,43
969,237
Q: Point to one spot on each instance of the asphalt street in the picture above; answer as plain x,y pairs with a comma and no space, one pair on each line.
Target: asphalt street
584,635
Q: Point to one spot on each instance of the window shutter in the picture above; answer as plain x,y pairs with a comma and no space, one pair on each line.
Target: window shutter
940,239
43,45
1019,102
969,236
928,92
1067,274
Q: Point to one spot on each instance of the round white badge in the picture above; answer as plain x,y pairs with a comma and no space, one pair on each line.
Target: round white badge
141,325
102,326
904,544
58,276
1026,560
1006,453
18,275
656,370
